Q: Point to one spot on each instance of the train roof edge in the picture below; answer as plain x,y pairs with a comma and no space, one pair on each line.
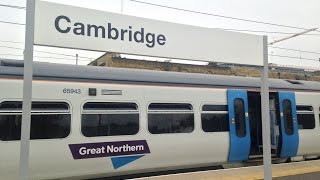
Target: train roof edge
42,70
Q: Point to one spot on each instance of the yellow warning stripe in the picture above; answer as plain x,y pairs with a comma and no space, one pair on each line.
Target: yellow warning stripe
245,173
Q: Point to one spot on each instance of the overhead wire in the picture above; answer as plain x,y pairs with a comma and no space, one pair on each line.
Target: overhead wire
48,57
293,57
297,50
217,15
7,41
13,6
61,54
9,47
227,29
268,32
14,23
196,12
276,47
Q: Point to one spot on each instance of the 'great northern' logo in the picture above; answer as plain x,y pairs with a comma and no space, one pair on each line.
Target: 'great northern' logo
121,152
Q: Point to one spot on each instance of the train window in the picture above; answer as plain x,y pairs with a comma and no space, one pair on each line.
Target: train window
239,117
49,120
287,117
218,108
11,106
109,119
109,106
164,118
170,107
214,118
306,118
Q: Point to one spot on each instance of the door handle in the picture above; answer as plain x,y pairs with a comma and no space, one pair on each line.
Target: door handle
232,120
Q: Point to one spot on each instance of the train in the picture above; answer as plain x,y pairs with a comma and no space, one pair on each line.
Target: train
99,122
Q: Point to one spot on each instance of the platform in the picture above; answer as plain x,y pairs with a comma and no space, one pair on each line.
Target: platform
294,170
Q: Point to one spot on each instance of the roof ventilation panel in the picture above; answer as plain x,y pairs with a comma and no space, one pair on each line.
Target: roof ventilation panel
294,82
12,63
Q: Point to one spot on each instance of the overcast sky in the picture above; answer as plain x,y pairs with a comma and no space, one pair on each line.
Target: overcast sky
300,13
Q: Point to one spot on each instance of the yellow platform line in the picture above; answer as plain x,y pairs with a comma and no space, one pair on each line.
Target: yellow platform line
245,173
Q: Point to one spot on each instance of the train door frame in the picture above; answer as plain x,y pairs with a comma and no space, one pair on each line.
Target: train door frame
254,109
255,116
240,141
274,123
289,143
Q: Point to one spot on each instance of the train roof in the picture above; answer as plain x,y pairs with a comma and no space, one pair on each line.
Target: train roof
52,71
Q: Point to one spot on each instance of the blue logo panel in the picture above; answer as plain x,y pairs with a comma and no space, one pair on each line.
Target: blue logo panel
121,161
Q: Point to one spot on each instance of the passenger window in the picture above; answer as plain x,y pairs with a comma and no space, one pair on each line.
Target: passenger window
306,118
214,118
109,119
287,117
166,118
239,116
49,120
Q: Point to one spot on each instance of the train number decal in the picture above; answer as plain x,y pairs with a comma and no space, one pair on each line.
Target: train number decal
121,152
71,91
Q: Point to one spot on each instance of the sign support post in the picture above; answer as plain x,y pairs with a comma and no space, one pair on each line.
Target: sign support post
265,110
122,4
27,91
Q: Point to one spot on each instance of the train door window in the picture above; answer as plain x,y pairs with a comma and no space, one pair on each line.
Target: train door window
109,119
214,118
164,118
49,120
319,115
306,118
239,115
287,116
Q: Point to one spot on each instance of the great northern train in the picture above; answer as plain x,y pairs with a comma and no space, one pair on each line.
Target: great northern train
91,122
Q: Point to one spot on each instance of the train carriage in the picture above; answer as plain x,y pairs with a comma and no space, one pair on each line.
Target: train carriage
91,122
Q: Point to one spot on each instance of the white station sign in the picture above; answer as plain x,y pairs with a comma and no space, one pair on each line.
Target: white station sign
80,28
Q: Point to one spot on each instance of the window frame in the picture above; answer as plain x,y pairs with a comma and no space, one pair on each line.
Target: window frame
138,111
317,116
178,112
214,112
306,112
37,112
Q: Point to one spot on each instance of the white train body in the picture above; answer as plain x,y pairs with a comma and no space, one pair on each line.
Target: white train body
53,158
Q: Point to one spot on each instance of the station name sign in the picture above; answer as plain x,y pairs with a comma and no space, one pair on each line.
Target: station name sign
80,28
110,32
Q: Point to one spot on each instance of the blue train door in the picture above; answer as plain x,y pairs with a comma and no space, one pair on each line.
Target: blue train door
239,125
288,124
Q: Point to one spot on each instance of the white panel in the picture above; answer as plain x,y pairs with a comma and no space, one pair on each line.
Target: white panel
181,41
309,138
